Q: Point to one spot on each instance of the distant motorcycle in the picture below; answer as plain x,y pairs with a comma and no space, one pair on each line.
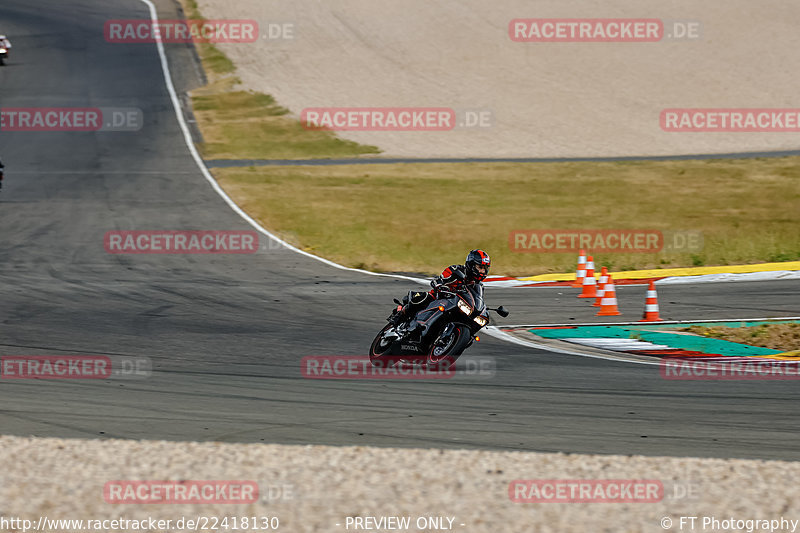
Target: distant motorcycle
5,49
449,326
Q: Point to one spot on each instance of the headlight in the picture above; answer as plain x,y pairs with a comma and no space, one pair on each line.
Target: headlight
481,320
465,307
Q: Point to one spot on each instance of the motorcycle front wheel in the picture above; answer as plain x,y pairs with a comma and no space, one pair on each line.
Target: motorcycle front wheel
446,349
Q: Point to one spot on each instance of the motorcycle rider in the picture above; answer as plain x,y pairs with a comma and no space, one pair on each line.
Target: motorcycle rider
5,43
474,270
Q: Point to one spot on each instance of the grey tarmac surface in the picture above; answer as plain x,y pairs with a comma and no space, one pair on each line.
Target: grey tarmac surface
225,334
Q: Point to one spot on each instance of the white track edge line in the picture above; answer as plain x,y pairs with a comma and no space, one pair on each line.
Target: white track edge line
207,175
502,335
662,322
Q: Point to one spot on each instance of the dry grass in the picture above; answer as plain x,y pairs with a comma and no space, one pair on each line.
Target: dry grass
215,63
784,337
246,125
418,217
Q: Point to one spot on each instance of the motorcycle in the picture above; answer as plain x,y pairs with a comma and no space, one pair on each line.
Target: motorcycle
450,325
3,54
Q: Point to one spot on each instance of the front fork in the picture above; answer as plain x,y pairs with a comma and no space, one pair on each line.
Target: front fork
450,327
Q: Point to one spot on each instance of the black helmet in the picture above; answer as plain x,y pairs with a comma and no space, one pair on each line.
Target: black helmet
478,264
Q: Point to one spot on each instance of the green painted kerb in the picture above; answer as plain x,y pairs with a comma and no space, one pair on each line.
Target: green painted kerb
675,340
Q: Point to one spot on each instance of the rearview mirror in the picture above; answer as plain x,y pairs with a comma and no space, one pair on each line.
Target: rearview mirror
502,311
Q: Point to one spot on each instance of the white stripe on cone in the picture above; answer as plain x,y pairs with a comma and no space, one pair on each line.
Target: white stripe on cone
589,279
601,286
611,299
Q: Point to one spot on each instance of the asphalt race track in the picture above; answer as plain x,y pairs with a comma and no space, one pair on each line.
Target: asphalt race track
226,333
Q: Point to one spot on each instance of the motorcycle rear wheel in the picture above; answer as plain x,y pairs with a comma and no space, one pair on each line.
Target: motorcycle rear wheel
378,349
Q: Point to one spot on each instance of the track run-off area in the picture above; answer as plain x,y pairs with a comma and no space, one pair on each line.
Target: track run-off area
225,334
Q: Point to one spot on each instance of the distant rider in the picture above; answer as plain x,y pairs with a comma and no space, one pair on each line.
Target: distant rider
475,269
5,43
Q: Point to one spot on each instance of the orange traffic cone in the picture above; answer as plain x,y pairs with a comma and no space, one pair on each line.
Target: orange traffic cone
651,305
608,305
601,286
581,272
589,283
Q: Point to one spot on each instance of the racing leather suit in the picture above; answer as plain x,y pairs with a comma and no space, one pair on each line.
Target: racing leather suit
416,300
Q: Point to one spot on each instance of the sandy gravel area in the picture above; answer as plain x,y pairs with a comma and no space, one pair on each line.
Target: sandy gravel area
314,488
545,99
